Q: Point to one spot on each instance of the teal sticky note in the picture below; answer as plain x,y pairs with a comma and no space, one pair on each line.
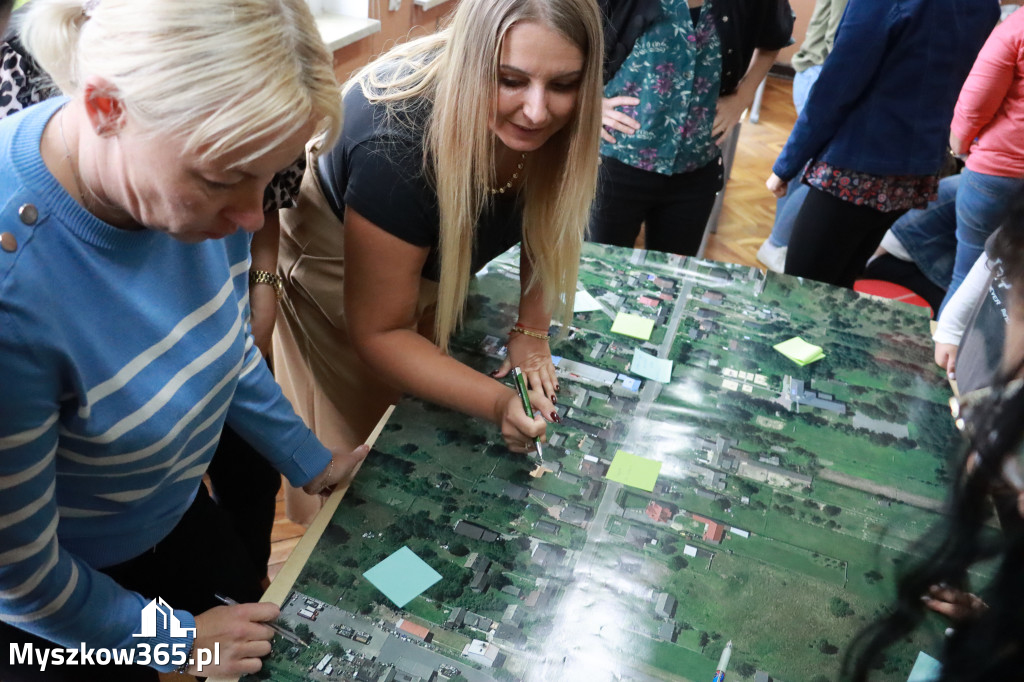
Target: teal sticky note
638,472
402,577
651,366
926,669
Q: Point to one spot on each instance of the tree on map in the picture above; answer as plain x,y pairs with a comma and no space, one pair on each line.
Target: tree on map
839,608
678,563
303,632
746,669
826,647
873,577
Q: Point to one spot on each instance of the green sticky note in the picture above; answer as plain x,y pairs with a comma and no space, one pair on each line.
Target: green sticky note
799,351
402,577
638,472
628,324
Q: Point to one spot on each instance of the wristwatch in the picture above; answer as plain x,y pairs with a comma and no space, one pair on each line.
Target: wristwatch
267,277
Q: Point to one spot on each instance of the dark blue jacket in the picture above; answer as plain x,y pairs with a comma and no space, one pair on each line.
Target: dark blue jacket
884,99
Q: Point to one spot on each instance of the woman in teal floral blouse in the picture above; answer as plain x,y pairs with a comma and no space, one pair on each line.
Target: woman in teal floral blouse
679,76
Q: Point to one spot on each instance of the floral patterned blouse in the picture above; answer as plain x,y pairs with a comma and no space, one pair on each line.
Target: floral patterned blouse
885,193
675,70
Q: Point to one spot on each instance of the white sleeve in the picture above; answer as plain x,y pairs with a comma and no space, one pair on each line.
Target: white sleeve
965,299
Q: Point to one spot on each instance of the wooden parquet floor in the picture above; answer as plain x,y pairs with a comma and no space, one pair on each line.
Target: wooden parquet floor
746,220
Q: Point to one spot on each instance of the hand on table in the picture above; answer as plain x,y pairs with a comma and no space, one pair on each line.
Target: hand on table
612,118
777,185
945,357
953,603
345,466
533,356
242,637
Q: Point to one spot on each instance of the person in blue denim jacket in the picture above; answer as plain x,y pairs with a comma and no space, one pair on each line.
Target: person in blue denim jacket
873,133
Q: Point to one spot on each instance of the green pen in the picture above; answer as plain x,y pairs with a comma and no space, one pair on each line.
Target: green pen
520,380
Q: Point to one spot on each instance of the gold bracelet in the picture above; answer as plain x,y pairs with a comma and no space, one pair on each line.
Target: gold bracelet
267,277
327,478
527,332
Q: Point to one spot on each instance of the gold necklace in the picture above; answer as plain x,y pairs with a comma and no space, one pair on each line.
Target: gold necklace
71,162
515,176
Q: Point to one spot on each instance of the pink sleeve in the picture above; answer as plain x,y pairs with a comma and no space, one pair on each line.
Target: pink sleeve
989,81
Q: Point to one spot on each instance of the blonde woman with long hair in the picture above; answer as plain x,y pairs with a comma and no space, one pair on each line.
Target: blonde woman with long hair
125,212
455,147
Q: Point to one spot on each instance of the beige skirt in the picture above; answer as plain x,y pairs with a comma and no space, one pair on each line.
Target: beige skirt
335,393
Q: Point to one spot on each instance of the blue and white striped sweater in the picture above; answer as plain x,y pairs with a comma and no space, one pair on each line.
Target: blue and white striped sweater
121,356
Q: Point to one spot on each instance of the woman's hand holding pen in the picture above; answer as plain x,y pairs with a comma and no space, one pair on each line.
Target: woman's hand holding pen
533,356
242,635
518,429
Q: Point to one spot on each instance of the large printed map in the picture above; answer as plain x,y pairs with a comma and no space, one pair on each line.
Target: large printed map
787,500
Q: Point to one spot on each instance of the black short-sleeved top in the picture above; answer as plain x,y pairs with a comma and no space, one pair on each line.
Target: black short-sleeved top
376,167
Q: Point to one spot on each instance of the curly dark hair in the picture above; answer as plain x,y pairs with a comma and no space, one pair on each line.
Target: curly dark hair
991,646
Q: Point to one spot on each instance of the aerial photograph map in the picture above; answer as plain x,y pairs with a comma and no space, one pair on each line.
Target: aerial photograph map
707,499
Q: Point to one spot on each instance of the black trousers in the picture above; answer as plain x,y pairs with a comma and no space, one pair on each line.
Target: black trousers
889,268
203,555
245,486
674,208
833,239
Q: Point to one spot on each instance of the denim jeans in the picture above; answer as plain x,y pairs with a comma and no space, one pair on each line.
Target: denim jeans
787,206
929,234
802,83
982,204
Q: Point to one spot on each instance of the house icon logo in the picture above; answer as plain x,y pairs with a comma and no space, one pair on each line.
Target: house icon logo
158,614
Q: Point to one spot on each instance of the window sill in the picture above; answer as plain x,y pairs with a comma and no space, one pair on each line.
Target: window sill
338,31
428,4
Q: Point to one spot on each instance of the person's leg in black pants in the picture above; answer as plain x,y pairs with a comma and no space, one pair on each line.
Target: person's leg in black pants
624,196
677,222
833,239
200,557
675,208
245,486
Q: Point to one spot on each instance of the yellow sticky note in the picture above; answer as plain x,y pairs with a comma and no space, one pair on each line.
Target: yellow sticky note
629,324
799,351
635,471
